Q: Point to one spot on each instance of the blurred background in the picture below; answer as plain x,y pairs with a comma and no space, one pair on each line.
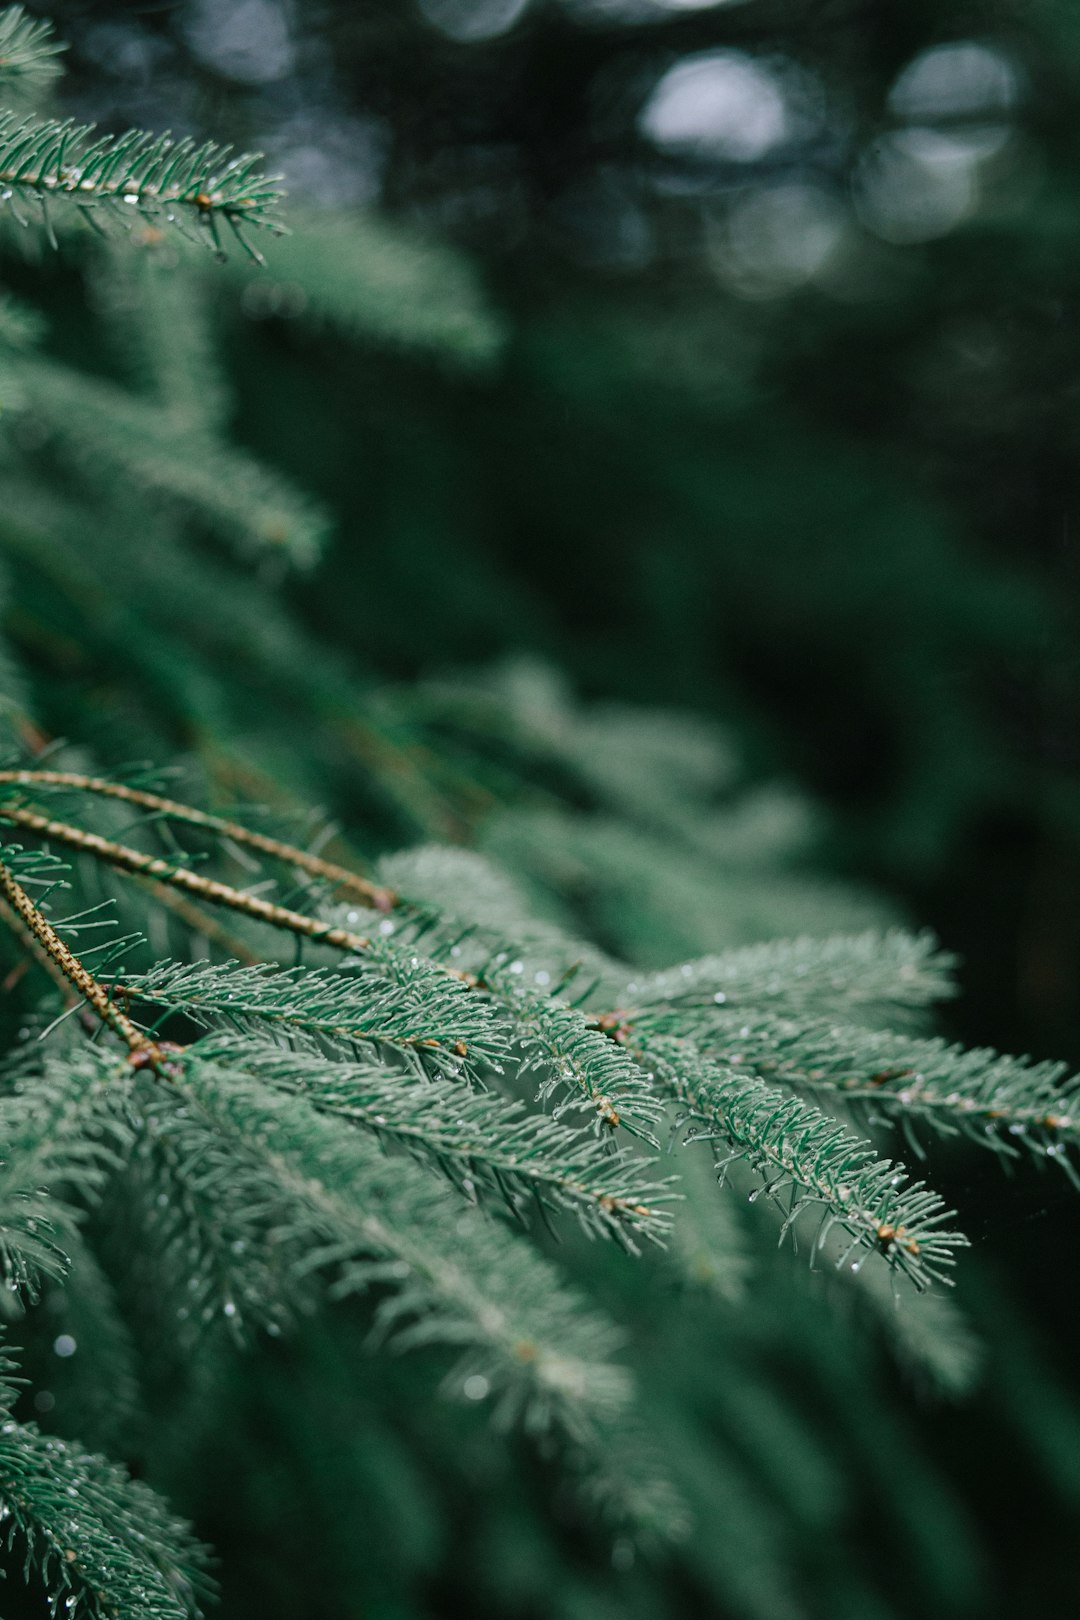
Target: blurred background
773,417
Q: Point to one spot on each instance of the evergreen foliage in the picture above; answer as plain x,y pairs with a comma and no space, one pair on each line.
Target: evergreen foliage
267,1107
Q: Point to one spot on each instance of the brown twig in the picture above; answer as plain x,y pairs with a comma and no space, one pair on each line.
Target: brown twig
127,859
373,894
141,1047
35,950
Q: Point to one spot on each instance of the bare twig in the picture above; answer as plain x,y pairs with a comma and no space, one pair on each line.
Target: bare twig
142,1048
373,894
127,859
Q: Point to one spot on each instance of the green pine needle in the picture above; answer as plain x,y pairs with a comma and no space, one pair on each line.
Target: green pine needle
104,1544
481,1141
118,179
1008,1104
804,1154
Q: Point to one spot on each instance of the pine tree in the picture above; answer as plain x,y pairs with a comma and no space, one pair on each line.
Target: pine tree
268,1109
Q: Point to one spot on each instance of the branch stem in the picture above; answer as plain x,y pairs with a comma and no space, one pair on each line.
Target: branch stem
79,977
211,890
373,894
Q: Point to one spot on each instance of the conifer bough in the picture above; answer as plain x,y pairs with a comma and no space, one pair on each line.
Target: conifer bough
193,186
28,51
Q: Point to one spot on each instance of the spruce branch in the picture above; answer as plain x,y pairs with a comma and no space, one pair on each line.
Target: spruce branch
843,971
252,507
930,1339
197,921
115,178
103,1380
29,942
479,1140
126,859
457,1277
551,1013
159,322
396,1001
378,281
28,53
338,877
1006,1103
804,1154
63,1131
201,1209
708,1248
104,1544
590,1071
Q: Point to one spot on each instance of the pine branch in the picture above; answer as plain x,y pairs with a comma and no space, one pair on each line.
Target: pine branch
419,1009
113,179
251,506
102,1543
1005,1103
895,969
807,1155
457,1277
338,877
482,1142
28,53
64,1132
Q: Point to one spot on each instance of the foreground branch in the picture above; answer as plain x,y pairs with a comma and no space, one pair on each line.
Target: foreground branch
131,860
373,894
72,969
